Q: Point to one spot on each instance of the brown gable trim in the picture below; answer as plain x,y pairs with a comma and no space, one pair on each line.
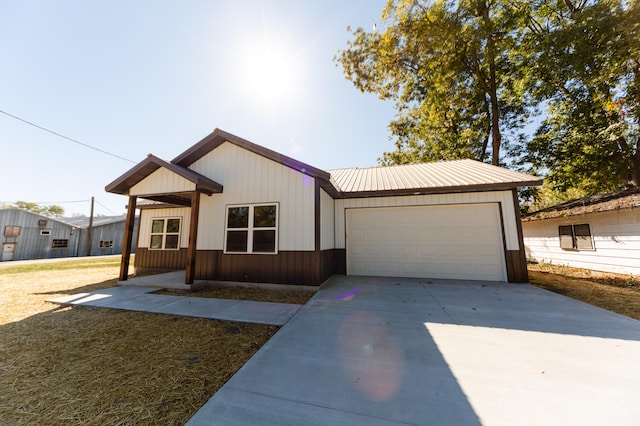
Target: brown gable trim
142,170
218,137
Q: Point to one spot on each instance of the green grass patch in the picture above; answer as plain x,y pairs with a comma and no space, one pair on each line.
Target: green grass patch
62,265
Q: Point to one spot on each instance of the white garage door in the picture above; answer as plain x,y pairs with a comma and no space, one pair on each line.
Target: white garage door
451,241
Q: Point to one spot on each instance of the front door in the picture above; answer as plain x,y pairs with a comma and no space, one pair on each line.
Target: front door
7,251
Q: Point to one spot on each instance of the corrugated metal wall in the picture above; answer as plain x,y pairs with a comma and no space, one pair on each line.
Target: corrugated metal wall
111,232
30,244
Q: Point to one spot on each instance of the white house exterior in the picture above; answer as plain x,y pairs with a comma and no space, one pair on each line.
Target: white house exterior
228,209
600,233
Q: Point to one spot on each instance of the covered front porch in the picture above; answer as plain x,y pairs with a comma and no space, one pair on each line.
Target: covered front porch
164,184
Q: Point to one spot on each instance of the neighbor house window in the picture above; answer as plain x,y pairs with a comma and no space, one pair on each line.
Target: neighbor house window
11,231
165,234
575,237
45,232
106,244
59,243
252,229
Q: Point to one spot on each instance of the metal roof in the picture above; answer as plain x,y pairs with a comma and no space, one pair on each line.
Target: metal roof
83,221
410,179
626,199
457,175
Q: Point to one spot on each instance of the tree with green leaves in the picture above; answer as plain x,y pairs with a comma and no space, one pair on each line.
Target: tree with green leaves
467,75
52,210
582,58
446,66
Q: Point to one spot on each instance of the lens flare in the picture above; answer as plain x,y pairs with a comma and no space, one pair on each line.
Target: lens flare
371,358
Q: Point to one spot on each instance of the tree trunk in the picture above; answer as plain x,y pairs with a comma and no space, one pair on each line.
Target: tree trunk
635,168
496,136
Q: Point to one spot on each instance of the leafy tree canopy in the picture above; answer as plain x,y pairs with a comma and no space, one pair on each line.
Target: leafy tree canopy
446,66
466,76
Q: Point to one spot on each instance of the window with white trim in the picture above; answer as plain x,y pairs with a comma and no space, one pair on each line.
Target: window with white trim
575,237
165,234
252,228
106,244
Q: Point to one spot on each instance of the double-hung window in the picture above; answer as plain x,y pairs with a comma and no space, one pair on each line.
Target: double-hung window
575,237
252,228
165,234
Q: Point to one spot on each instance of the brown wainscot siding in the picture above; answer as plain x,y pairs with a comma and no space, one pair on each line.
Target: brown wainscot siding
287,267
160,259
516,266
333,262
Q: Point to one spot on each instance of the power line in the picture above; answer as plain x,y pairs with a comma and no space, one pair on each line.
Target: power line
66,137
50,202
105,207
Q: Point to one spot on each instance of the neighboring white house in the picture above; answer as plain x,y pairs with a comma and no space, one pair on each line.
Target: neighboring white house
230,210
600,233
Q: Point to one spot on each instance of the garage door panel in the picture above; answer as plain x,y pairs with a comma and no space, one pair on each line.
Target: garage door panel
461,241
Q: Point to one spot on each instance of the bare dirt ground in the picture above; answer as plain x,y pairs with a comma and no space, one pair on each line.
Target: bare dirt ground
617,293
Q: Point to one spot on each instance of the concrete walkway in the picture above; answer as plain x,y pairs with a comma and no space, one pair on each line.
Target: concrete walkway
384,351
136,298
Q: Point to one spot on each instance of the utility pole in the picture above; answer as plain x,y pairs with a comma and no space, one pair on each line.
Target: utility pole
90,236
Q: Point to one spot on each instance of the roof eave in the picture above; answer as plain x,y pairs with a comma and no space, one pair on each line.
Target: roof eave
146,167
441,190
219,136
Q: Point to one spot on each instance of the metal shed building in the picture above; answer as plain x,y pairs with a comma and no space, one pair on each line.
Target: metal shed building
27,235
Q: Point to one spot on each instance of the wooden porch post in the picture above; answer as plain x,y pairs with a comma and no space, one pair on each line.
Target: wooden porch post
128,238
193,238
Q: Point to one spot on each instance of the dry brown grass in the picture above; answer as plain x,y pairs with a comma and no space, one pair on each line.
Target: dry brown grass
617,293
99,366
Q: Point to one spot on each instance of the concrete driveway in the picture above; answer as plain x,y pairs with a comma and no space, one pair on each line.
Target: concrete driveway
388,351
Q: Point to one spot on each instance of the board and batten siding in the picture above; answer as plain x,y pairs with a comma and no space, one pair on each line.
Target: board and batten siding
327,221
249,178
615,236
162,181
504,198
147,216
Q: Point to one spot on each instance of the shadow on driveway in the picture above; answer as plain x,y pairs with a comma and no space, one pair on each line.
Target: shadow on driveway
405,351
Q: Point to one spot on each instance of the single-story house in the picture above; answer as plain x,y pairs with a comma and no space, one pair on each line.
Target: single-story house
600,233
27,235
227,209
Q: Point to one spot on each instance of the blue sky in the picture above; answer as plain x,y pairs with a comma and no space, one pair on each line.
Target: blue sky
139,77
